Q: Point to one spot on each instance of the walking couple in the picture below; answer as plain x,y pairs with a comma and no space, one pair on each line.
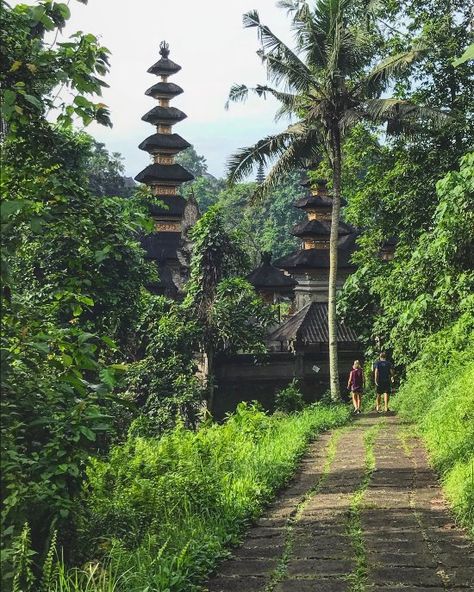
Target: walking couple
383,376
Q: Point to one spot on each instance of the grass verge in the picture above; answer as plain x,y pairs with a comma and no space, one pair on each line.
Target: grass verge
164,511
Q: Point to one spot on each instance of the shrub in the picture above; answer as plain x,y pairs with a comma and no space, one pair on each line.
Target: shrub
289,399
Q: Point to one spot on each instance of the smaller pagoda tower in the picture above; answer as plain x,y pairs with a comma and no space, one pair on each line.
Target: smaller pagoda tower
310,264
164,177
271,283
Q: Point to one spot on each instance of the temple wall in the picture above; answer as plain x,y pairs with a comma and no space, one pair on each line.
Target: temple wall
242,377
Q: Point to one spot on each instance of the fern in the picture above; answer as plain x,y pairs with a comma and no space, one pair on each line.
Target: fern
48,566
23,578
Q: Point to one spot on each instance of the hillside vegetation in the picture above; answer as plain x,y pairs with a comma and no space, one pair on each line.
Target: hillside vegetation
438,396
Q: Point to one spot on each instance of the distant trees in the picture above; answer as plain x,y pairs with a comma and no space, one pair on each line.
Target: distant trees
106,173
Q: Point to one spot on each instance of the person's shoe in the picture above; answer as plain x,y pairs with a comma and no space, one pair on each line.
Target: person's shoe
358,411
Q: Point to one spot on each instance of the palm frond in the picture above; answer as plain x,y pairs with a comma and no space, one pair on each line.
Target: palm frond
306,147
243,161
282,63
350,118
402,117
378,78
240,92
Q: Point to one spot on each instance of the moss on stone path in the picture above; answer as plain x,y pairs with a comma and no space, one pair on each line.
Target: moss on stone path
363,512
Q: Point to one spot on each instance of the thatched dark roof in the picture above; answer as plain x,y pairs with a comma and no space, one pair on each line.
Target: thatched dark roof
158,142
319,258
168,115
173,205
318,228
314,202
164,67
310,325
154,173
164,89
269,276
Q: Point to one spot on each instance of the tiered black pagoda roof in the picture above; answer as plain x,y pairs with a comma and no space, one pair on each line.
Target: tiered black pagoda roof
164,66
165,176
306,259
316,232
164,90
154,173
166,115
171,143
164,145
267,276
318,228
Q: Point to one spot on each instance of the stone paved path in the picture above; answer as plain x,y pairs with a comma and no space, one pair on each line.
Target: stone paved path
363,513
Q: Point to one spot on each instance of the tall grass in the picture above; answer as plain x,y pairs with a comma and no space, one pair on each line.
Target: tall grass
438,396
164,511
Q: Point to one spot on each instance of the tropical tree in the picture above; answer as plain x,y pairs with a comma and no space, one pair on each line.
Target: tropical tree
229,313
330,84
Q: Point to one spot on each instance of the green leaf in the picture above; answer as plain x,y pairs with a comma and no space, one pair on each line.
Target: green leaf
64,10
88,433
9,207
81,101
110,342
466,56
77,310
107,377
9,97
85,337
34,101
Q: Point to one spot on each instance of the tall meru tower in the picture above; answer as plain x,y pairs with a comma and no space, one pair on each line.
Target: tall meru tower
164,177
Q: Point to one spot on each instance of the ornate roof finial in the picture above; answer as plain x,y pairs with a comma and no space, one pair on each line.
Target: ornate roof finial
164,49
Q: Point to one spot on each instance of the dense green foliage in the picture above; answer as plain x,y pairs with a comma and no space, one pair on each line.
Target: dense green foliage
230,314
429,284
289,399
438,396
64,278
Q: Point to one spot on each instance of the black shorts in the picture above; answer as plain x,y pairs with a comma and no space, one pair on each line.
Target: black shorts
381,389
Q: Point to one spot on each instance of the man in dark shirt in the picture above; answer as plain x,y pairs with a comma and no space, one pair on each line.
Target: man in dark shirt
383,380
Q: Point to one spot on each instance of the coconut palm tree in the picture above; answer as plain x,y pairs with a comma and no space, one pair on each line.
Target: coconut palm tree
328,83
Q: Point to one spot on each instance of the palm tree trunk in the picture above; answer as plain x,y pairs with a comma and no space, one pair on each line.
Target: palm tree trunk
333,241
210,380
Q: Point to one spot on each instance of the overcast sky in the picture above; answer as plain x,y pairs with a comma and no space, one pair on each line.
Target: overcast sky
207,39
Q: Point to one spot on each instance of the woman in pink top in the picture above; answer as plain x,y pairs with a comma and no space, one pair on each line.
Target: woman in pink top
356,385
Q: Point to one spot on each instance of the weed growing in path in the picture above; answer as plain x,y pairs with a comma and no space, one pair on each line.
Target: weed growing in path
282,567
358,578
